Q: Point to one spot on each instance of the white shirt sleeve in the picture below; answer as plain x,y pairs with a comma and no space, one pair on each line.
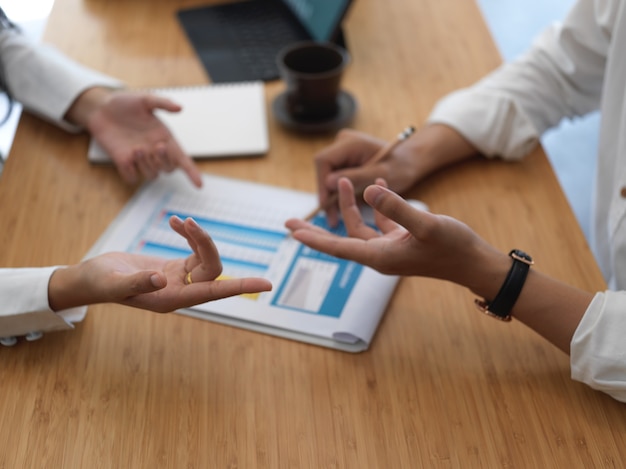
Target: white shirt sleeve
598,348
560,76
43,80
24,304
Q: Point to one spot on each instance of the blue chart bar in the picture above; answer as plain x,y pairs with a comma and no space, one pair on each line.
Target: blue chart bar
235,237
161,250
237,234
331,279
314,282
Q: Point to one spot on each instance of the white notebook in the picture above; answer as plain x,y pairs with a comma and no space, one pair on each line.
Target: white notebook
221,120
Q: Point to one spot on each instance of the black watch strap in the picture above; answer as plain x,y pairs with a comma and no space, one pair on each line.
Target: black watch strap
504,301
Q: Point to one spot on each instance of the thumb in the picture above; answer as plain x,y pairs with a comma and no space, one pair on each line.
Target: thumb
157,102
145,281
394,207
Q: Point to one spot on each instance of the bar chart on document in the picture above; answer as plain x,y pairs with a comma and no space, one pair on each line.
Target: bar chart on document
313,293
245,251
253,249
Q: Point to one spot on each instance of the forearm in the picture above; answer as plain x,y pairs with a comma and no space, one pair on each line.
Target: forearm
549,307
44,80
436,146
85,104
67,290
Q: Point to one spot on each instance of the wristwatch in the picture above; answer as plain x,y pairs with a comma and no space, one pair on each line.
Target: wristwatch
502,304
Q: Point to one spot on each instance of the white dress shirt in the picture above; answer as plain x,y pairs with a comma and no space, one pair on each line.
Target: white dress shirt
46,83
24,307
572,69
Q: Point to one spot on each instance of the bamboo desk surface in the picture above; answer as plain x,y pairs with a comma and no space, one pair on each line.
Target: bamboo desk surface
440,386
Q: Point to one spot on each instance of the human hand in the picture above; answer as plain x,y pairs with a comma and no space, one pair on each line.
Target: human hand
416,242
431,148
410,241
126,127
347,157
151,283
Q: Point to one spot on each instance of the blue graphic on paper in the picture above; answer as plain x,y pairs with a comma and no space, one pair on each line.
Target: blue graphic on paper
314,283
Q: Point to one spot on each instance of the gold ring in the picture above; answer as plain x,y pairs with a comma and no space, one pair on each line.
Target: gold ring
188,280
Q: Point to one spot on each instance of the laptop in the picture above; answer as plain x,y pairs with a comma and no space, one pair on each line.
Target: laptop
240,41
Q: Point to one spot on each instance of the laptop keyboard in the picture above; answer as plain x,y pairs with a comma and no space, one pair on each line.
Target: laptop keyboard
261,33
251,33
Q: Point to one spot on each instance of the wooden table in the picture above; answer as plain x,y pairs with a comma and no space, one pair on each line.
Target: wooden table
441,385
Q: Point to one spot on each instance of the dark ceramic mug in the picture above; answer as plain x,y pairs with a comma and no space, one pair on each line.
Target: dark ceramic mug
312,72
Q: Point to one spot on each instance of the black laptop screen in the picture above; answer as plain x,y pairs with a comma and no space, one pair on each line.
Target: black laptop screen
321,18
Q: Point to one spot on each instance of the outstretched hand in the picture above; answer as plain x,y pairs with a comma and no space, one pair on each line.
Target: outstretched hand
409,241
416,242
140,145
151,283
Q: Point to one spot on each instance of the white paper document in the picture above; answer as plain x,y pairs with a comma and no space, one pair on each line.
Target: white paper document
316,298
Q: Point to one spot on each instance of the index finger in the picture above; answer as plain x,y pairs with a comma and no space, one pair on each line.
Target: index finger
344,152
355,226
353,249
184,162
210,262
395,208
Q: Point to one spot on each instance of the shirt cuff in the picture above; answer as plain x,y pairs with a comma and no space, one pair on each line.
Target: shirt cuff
598,348
26,308
491,122
45,81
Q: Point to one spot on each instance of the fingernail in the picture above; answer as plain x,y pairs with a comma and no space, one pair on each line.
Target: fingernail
193,222
156,281
373,193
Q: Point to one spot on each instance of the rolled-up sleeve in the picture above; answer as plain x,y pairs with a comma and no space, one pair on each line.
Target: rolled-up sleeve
493,122
24,306
43,80
598,348
561,76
